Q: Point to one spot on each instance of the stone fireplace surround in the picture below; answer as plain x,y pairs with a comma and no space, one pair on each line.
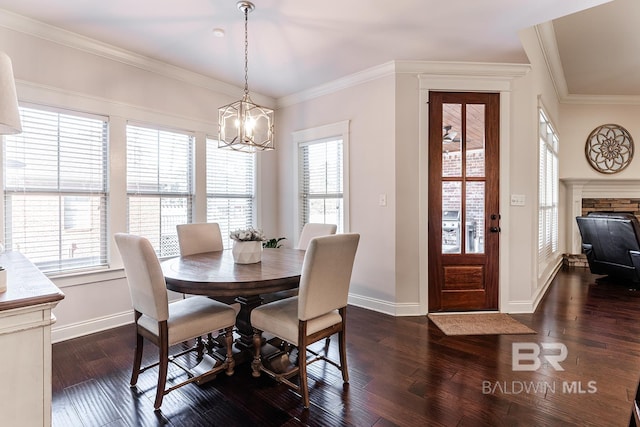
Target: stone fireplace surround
588,195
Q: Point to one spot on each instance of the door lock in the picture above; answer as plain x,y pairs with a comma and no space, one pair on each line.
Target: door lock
494,229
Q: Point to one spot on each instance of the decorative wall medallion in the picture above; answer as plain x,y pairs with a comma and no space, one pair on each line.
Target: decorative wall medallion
609,148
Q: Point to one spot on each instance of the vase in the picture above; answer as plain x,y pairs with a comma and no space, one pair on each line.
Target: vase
247,252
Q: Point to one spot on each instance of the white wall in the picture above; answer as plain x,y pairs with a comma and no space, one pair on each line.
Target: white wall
577,123
370,109
535,89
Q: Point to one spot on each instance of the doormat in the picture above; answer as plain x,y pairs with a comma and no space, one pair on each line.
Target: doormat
479,324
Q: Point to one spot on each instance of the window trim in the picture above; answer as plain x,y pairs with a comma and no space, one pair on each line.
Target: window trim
334,130
545,255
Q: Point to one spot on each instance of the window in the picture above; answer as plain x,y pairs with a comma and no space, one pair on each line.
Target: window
548,191
230,189
321,175
159,185
55,189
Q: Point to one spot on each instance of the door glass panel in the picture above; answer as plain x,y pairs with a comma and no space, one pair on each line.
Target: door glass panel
451,214
474,218
475,141
451,134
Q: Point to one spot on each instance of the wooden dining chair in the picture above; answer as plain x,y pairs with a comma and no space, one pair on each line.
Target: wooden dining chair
198,238
166,324
311,230
319,310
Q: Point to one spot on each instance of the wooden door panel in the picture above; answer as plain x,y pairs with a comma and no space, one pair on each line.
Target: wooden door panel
461,301
463,201
463,277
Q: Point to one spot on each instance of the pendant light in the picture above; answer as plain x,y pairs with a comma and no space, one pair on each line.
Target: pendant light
243,125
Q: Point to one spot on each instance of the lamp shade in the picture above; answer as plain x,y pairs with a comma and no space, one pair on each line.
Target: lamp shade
9,114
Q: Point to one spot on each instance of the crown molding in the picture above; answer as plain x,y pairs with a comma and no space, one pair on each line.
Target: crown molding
549,46
602,99
73,40
461,69
418,68
369,74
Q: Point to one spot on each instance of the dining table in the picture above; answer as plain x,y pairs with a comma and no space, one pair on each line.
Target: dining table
217,275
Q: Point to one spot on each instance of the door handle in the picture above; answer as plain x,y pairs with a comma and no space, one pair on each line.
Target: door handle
494,229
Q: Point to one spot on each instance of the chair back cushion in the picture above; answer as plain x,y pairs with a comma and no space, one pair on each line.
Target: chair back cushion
311,230
146,281
199,238
326,274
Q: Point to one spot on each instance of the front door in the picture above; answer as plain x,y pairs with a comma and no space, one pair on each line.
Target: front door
464,218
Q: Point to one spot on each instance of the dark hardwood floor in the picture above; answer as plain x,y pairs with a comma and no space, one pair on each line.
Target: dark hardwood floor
403,371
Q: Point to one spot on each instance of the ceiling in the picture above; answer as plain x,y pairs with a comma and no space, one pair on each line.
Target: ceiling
296,45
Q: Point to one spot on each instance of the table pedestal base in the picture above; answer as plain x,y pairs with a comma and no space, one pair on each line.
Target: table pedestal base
243,321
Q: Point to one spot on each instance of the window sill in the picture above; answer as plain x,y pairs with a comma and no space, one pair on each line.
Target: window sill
82,278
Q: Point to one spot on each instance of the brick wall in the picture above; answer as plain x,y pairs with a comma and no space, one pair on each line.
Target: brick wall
452,167
611,205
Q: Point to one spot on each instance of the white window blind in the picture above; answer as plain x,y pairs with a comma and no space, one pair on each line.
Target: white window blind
230,189
320,166
56,188
547,191
159,185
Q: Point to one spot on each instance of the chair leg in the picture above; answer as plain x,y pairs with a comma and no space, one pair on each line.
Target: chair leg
257,346
302,362
163,359
343,356
199,348
342,344
137,359
327,343
229,360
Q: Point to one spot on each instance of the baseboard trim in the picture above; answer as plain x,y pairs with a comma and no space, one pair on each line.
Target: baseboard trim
530,306
386,307
88,327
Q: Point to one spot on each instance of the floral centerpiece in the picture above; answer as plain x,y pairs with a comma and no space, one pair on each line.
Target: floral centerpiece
247,245
247,235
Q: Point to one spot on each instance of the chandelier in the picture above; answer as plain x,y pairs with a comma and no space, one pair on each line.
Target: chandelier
243,125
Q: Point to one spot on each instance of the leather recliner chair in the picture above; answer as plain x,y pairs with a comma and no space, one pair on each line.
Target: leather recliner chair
611,242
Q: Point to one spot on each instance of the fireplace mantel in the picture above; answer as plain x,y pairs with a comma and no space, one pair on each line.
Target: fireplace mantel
577,189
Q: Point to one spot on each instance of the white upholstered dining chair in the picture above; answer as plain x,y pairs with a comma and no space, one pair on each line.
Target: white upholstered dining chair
201,237
319,310
166,324
198,238
311,230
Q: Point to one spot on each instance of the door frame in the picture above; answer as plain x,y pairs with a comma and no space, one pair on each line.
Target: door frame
467,78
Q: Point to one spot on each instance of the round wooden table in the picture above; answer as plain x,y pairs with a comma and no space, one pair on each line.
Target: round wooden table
215,274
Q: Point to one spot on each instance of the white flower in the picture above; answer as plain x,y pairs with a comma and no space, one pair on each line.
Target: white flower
247,235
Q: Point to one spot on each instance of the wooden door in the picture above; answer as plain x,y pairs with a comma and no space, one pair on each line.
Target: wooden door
464,218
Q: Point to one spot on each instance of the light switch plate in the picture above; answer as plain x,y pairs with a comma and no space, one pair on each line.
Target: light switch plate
517,200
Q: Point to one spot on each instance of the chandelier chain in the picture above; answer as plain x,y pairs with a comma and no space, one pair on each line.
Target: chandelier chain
246,51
